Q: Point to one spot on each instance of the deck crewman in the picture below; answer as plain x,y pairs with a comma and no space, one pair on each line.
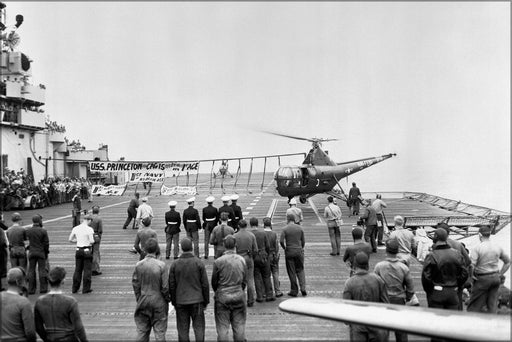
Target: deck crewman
210,220
247,247
172,230
228,209
296,211
237,211
219,233
192,224
83,236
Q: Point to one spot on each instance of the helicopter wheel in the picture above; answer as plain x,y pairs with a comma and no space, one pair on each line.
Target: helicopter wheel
302,200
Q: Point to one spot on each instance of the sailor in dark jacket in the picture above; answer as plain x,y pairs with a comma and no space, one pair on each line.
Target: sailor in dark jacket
172,230
228,209
210,221
443,273
38,253
237,211
192,224
77,207
132,211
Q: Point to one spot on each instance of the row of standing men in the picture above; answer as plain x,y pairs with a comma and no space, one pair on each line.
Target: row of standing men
190,220
257,250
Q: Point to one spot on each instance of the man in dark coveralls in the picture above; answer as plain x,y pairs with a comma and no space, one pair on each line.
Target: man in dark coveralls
219,233
210,220
368,287
172,230
262,264
77,207
354,199
273,241
369,215
96,225
132,211
17,235
192,224
237,211
150,283
358,246
247,247
226,208
229,282
38,253
190,292
293,242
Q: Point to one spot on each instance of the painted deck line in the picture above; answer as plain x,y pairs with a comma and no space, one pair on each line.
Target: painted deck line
272,208
68,216
313,206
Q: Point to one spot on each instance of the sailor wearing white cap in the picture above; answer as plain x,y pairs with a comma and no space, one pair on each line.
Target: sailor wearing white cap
295,211
172,230
192,224
144,211
237,211
227,209
210,220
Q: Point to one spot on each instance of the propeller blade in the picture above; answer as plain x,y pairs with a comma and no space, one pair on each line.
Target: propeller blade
288,136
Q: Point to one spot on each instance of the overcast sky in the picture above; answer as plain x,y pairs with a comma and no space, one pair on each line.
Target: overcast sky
429,81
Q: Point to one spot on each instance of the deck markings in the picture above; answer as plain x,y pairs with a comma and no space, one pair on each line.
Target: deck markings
272,208
313,206
68,216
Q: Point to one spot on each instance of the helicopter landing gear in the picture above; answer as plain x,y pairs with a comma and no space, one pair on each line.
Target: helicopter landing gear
302,199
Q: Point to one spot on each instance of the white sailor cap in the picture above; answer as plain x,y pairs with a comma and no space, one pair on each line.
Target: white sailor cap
292,201
191,199
234,197
172,203
144,199
210,199
225,198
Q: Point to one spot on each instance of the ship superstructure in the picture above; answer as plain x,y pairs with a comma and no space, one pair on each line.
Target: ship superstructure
22,117
29,140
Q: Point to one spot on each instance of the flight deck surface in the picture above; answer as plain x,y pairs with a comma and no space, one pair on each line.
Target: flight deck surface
107,312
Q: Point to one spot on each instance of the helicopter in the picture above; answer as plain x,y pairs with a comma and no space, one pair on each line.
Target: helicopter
318,173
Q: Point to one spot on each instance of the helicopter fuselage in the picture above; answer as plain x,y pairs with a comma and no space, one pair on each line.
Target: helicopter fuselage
307,180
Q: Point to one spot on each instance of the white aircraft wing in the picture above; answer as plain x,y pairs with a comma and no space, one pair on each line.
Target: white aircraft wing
449,324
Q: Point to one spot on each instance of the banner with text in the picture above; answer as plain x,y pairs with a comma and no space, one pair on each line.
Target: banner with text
146,171
178,190
111,190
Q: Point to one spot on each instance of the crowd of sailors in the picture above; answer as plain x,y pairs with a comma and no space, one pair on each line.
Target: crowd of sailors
16,186
245,269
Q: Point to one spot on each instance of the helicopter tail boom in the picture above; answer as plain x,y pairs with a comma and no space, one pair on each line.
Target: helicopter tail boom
342,170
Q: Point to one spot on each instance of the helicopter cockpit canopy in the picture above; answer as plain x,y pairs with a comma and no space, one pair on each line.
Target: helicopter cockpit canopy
287,173
294,176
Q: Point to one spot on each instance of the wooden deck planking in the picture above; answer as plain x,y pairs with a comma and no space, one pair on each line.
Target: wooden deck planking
108,312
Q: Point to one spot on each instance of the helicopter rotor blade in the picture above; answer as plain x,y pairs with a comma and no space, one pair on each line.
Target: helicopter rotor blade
288,136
